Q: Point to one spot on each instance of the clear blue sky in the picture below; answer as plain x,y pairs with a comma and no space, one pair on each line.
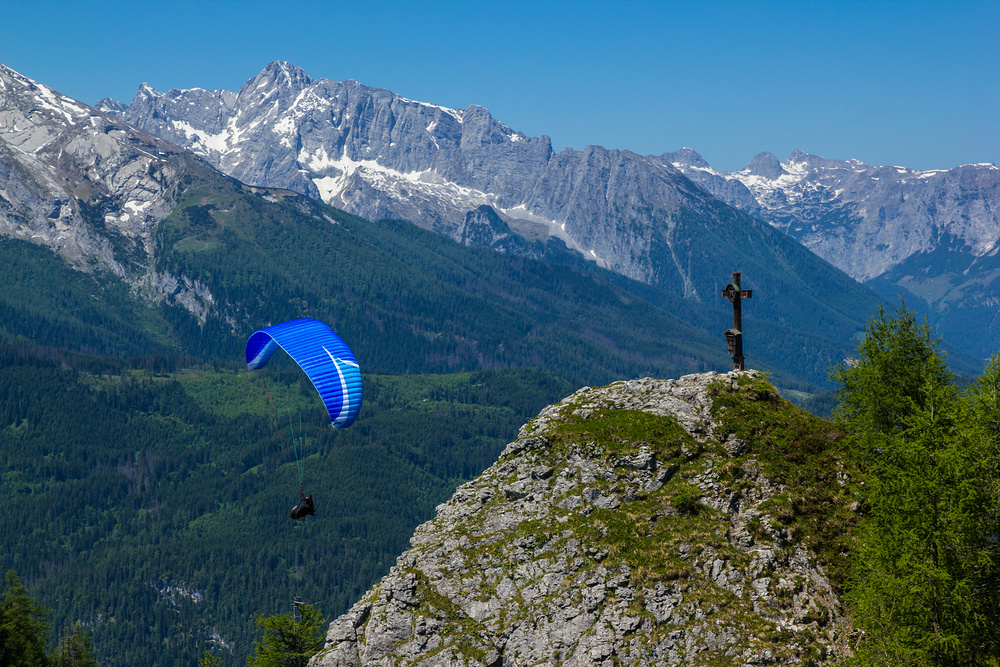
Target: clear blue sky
913,83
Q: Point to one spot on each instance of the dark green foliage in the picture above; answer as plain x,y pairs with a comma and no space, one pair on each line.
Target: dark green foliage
406,299
924,588
45,302
209,659
884,384
74,650
410,300
23,627
290,640
152,497
982,416
685,498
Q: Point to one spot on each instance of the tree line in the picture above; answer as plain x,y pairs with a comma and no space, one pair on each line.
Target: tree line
926,569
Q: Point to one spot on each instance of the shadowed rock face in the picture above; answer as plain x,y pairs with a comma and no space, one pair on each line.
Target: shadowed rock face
578,548
65,166
379,155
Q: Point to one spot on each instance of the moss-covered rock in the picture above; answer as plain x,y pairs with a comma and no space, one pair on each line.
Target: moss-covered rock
699,521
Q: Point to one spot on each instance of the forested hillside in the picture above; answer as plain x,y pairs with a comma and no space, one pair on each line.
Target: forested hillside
150,500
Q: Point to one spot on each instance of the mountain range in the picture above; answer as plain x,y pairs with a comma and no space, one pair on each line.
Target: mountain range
144,474
174,234
928,235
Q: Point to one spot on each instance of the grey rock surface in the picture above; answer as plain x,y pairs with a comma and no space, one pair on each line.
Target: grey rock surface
525,565
379,155
861,218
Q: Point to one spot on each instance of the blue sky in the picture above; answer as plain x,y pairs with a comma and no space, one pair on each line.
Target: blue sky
914,83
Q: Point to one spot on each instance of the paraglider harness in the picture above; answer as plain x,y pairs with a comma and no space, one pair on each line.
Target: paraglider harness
304,507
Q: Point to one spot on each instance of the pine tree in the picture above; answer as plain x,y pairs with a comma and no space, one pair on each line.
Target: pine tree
209,659
74,650
23,627
290,640
882,385
982,418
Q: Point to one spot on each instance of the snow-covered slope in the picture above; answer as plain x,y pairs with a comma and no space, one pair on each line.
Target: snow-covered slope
62,163
861,218
89,186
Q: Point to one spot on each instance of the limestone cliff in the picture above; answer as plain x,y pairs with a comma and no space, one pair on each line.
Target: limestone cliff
694,521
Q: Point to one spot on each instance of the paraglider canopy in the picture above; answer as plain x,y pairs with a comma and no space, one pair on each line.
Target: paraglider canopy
322,355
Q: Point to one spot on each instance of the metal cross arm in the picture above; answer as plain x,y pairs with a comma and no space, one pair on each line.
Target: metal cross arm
732,293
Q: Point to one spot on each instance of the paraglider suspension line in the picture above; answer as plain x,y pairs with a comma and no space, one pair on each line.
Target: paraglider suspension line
290,449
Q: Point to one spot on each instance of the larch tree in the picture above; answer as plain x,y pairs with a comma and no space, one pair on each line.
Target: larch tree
918,589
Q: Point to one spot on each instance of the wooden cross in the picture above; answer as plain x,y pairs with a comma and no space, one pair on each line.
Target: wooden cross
734,336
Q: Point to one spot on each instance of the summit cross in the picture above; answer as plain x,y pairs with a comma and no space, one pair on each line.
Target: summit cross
734,336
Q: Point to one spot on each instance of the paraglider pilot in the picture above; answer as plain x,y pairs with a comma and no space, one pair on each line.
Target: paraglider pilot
304,507
329,364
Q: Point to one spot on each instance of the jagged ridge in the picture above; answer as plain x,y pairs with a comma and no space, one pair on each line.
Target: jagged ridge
379,155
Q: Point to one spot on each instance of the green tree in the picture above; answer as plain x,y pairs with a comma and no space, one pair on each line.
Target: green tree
74,649
919,588
23,627
982,418
209,659
884,383
290,640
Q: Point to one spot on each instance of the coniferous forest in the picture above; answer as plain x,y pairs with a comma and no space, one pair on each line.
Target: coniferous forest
152,505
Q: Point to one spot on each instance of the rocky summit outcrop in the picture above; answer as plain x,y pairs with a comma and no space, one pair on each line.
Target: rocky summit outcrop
626,525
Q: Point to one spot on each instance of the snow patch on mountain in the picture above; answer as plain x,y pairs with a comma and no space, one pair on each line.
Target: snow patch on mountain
457,114
926,232
204,142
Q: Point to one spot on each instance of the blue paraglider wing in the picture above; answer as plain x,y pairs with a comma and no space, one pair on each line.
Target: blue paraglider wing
324,357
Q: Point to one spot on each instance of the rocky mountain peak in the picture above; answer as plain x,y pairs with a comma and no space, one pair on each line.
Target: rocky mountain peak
110,106
147,91
378,155
800,156
611,532
765,165
87,185
925,234
278,74
686,157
